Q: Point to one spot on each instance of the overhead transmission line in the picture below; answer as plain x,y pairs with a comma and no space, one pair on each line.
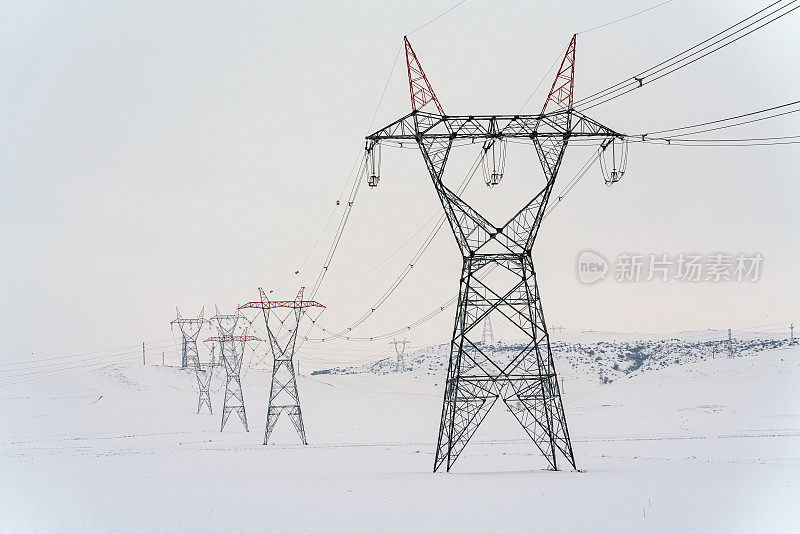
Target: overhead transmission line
340,230
25,363
716,42
25,371
22,377
437,17
624,18
384,260
711,143
394,285
717,121
723,123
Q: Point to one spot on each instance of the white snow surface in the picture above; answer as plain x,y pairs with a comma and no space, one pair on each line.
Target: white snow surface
711,445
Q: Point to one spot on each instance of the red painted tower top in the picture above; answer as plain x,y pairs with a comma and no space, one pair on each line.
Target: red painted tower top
421,90
560,96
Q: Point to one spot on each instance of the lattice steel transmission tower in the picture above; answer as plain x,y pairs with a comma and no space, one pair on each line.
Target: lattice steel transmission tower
204,372
730,344
231,354
400,350
488,334
498,275
283,396
190,329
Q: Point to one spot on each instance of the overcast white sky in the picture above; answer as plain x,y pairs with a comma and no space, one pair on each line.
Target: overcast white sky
156,154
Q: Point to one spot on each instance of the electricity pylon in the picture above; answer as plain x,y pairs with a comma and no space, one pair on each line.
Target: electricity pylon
204,373
488,334
190,329
730,344
231,354
498,274
400,350
283,396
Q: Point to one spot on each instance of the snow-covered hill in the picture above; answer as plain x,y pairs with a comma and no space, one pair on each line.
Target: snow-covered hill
606,360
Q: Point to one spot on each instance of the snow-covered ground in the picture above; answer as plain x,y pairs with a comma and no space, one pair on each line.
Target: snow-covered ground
706,445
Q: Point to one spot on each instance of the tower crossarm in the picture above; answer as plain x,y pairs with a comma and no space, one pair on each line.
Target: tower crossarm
258,305
562,124
223,339
196,321
264,303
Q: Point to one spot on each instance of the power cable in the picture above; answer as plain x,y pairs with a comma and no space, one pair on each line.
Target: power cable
436,17
680,143
624,18
616,86
682,59
732,125
80,354
707,123
406,270
384,260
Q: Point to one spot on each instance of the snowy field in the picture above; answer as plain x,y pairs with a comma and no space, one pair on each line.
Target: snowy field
708,446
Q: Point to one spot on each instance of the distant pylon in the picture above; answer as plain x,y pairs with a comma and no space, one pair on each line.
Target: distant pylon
231,354
400,350
791,333
204,374
283,396
190,329
730,344
488,333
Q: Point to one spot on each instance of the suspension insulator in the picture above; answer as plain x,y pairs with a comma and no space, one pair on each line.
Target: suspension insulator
493,161
614,170
373,164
